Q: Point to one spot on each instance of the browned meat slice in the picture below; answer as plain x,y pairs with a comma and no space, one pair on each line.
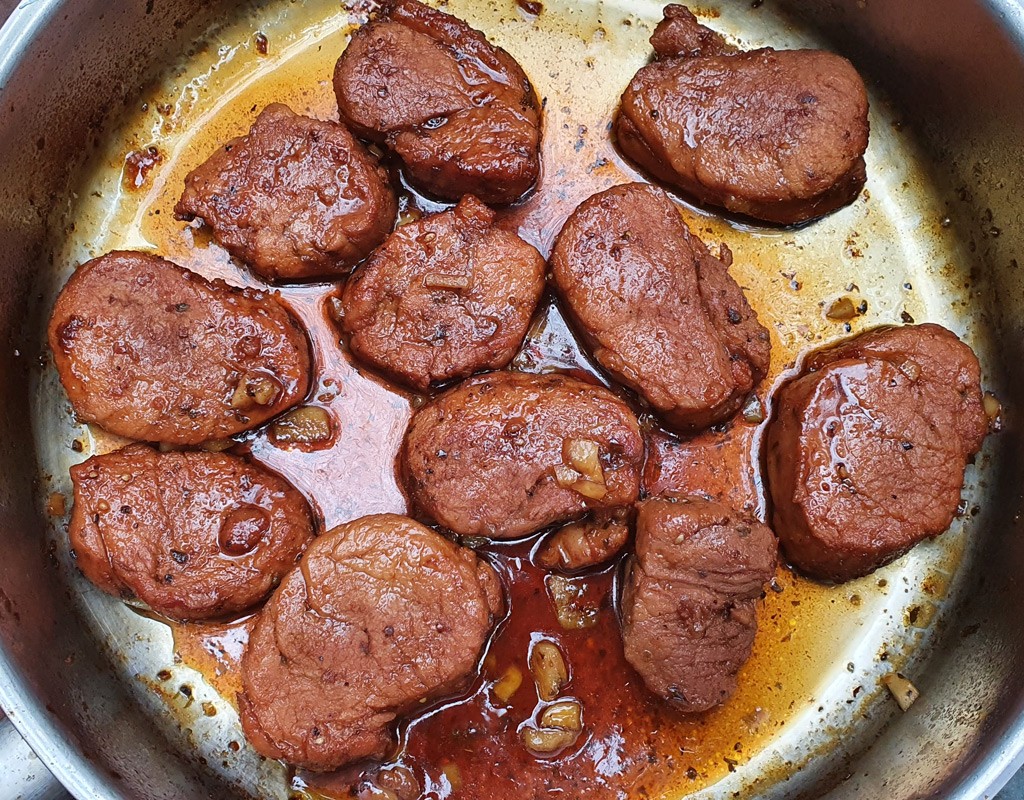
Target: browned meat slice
867,450
679,34
459,112
507,454
151,351
776,135
444,297
192,535
294,198
659,312
587,543
689,604
381,616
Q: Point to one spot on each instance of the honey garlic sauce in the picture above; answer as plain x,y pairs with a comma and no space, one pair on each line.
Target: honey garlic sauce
580,57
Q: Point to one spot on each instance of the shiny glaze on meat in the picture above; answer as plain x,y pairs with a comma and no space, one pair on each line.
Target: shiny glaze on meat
294,198
153,351
866,455
382,615
482,459
660,313
457,111
444,297
775,135
194,535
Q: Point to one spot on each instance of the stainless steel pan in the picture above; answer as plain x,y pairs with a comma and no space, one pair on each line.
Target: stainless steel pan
947,185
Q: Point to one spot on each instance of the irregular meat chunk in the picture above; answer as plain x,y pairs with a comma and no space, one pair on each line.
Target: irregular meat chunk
776,135
459,112
294,198
659,312
591,541
192,535
867,450
443,298
680,35
506,454
152,351
381,615
689,604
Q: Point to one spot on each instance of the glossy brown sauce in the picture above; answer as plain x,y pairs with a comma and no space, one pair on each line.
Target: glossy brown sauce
215,650
632,744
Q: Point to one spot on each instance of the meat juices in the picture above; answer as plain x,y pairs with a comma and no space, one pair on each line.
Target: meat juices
294,198
459,112
148,350
867,450
506,454
443,298
381,615
657,310
689,604
193,535
775,135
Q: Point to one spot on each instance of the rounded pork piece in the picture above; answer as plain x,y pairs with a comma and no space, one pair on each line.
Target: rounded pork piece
193,535
381,615
689,604
867,450
294,198
443,298
657,310
506,454
459,112
775,135
149,350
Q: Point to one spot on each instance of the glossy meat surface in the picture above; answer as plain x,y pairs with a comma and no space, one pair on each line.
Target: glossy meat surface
459,112
689,605
867,451
381,615
149,350
294,198
444,297
680,35
658,311
193,535
775,135
494,456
